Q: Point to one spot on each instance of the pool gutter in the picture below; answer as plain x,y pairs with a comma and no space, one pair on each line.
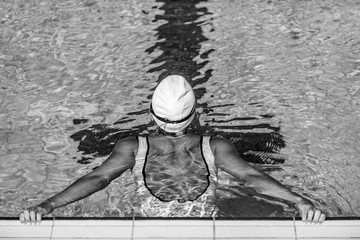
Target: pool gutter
179,229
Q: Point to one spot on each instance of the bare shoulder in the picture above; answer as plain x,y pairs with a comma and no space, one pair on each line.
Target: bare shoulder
219,144
126,145
121,158
128,140
228,159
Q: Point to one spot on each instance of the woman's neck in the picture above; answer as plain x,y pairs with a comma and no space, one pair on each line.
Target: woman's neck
171,134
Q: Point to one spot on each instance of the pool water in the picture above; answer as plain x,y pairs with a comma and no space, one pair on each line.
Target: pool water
280,79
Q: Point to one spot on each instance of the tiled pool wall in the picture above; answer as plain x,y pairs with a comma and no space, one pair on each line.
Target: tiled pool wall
208,229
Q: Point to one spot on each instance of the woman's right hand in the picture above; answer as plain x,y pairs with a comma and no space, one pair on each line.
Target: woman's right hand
34,214
309,213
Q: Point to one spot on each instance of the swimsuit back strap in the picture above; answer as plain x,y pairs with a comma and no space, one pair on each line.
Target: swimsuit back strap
209,157
142,148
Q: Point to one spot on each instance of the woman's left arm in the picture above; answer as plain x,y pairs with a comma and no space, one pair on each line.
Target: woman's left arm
227,159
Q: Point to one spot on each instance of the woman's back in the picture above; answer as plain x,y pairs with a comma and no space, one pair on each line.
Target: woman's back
174,172
175,168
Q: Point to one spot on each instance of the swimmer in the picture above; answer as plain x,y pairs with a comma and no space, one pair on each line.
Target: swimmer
173,169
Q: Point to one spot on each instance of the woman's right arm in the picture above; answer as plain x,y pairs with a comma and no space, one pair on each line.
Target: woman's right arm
121,159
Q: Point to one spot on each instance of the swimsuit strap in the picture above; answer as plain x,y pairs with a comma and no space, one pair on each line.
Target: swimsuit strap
142,148
209,157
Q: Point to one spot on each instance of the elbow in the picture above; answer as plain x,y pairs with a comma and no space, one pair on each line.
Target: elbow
256,182
103,182
99,182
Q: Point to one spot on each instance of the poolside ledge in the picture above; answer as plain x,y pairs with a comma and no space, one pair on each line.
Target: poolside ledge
179,229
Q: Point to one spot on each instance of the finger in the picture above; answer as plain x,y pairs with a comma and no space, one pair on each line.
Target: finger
32,216
303,216
22,218
322,218
26,216
38,217
310,215
317,216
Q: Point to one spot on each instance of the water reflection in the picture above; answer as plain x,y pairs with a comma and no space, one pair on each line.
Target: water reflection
180,39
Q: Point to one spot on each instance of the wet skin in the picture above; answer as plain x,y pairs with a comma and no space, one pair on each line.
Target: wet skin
123,158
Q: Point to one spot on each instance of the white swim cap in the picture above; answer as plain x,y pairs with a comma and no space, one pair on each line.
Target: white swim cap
173,104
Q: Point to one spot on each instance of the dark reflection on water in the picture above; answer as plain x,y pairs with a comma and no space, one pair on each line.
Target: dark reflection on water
180,40
99,139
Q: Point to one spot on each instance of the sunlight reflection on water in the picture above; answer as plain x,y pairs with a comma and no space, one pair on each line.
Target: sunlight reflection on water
296,61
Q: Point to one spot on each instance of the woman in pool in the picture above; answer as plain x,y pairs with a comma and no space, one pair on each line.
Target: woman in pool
175,172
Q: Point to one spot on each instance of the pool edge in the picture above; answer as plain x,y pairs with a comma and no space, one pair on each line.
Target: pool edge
185,229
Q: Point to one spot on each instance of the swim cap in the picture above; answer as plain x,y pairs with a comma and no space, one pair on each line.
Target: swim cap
173,104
